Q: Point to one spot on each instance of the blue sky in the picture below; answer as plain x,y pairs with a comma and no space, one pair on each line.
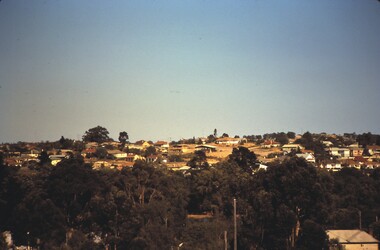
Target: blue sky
177,69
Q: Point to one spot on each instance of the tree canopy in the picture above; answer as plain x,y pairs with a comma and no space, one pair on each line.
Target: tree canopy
123,137
147,206
97,134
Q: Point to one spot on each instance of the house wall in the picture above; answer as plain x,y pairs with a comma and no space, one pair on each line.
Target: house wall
340,152
361,246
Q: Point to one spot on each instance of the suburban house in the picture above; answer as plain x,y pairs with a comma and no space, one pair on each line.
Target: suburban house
270,144
361,162
352,163
55,159
230,141
206,148
162,146
88,152
133,157
372,164
67,151
14,161
31,154
121,164
307,156
331,166
151,158
114,144
117,154
352,240
356,152
91,145
287,148
13,154
100,164
177,166
374,150
179,148
261,167
142,145
327,143
339,152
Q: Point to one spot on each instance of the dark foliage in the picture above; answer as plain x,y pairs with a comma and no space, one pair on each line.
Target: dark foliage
97,134
288,206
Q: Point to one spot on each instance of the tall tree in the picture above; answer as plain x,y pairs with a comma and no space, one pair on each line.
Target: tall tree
199,160
44,158
123,138
245,158
282,200
70,186
291,135
151,150
97,134
65,143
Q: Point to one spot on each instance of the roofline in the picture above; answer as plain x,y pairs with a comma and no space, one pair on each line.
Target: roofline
354,243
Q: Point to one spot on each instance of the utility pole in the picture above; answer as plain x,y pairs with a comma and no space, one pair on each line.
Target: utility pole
235,226
28,248
225,240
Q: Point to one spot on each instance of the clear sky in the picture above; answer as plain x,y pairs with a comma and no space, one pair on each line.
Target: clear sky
171,69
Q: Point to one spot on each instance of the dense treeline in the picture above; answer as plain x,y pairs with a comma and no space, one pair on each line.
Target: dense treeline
287,206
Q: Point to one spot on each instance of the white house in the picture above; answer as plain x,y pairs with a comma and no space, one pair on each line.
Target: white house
117,153
332,166
307,156
353,239
339,152
230,141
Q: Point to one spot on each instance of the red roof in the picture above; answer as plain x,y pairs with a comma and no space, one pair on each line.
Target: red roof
89,150
359,158
160,143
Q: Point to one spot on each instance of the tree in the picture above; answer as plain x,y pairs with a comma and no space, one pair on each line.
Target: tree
198,161
158,207
123,138
312,236
65,143
245,158
215,133
283,198
211,138
97,134
44,158
71,186
366,139
225,135
151,150
101,153
282,138
291,135
375,226
3,244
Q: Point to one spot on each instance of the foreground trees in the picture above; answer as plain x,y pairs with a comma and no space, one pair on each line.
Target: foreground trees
287,206
282,199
